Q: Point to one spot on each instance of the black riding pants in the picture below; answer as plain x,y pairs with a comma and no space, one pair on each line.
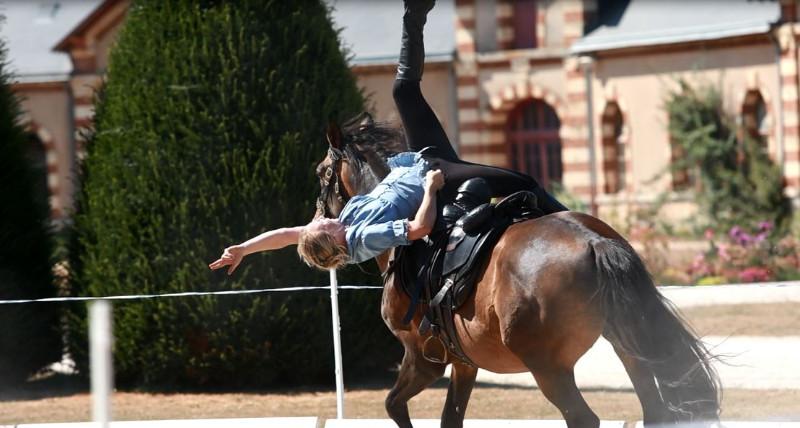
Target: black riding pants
423,130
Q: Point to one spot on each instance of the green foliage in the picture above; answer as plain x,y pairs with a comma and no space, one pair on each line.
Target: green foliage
736,182
207,133
29,336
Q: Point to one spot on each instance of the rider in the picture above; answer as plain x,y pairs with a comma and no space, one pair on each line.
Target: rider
373,223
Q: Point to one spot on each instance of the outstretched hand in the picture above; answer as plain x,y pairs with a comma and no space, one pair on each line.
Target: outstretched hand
232,256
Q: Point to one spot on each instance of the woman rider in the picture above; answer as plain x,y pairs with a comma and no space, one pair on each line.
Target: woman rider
373,223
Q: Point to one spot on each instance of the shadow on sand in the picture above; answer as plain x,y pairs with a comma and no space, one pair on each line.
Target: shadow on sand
46,386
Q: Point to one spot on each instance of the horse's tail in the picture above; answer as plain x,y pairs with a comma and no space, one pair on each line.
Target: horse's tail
646,326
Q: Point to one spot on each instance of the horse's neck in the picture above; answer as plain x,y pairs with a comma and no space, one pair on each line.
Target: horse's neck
369,174
364,181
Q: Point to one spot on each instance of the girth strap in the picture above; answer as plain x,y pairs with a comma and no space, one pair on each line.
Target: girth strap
412,307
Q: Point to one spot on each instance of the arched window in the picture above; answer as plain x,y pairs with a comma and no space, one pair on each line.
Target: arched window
534,146
754,112
613,149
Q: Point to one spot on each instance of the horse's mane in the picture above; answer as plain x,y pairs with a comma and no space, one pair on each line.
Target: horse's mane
367,146
382,138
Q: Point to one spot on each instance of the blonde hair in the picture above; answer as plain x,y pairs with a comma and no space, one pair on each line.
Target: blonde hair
319,249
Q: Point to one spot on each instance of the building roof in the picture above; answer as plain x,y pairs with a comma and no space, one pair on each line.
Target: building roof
371,29
77,35
31,30
371,32
637,23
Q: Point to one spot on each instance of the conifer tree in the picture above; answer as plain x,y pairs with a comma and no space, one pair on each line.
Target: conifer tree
208,132
29,336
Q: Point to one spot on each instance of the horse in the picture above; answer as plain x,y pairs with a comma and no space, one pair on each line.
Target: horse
551,287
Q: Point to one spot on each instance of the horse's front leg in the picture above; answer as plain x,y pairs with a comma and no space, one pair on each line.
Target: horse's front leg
462,379
416,374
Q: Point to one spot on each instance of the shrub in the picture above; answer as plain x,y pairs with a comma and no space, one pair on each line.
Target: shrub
735,181
206,133
29,336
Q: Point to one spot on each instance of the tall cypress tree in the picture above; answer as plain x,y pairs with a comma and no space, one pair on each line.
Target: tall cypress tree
207,132
29,336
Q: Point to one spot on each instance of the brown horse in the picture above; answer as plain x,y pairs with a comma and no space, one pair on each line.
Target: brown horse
551,288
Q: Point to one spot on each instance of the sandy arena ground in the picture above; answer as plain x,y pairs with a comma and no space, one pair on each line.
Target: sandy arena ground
60,399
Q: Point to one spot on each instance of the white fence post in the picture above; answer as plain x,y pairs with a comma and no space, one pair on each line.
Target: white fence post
337,346
101,365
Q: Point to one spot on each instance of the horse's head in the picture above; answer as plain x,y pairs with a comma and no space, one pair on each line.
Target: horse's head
334,192
355,162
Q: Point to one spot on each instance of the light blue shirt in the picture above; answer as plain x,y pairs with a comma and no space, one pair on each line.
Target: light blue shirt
378,220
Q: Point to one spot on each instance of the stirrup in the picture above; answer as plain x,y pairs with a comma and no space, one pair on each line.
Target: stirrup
433,359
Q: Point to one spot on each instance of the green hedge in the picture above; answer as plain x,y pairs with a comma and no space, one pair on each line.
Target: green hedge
29,336
207,132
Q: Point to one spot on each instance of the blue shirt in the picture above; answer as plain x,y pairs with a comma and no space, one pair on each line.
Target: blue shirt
378,220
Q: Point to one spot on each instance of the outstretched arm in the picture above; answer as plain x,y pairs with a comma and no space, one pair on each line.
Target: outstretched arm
272,240
423,222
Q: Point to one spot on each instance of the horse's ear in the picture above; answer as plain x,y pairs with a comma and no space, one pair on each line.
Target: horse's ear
334,136
366,121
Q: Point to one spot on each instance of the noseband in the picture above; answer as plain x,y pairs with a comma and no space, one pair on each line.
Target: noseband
330,182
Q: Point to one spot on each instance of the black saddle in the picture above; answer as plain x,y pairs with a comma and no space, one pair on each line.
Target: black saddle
441,270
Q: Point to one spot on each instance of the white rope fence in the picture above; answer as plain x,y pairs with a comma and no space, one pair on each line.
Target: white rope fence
101,337
101,343
189,294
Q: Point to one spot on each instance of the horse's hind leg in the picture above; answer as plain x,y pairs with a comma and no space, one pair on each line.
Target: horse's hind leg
558,385
654,411
416,374
462,379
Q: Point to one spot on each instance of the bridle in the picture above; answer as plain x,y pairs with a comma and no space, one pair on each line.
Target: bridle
330,182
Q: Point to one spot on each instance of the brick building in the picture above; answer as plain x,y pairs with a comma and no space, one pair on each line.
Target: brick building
570,91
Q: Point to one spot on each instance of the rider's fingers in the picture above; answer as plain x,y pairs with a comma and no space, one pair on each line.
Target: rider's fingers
218,263
234,266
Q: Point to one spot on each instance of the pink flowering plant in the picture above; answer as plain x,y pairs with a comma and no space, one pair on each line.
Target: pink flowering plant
755,254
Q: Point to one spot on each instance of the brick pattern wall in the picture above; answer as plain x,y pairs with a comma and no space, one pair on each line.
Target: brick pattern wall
83,87
505,24
574,124
574,131
483,111
790,98
467,83
541,27
574,18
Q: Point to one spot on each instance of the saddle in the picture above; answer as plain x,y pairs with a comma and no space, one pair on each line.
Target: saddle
441,270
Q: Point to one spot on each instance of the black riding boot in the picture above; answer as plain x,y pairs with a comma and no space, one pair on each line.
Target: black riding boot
412,51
